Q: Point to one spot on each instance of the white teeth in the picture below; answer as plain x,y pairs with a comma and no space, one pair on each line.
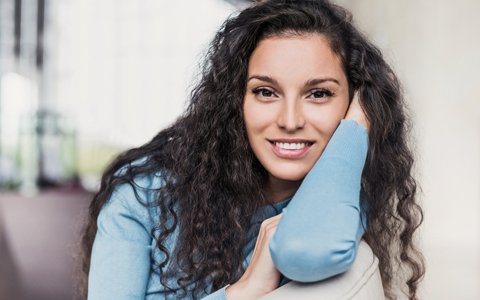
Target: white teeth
290,146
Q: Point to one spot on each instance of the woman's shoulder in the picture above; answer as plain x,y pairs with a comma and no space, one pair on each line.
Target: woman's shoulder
124,239
134,200
144,185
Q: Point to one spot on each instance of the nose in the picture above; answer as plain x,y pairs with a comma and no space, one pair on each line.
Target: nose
290,117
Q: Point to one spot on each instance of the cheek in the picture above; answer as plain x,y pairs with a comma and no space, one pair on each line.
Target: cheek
257,118
326,119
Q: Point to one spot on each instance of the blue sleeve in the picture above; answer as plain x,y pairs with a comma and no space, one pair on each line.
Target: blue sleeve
120,261
321,227
218,295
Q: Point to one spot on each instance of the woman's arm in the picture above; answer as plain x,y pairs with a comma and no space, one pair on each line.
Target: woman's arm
319,232
120,261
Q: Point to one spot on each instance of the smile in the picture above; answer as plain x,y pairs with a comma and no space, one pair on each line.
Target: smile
292,149
291,146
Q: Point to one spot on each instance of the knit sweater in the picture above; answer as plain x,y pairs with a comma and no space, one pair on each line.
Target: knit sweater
316,238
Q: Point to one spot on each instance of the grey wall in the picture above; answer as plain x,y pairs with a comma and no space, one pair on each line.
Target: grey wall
435,48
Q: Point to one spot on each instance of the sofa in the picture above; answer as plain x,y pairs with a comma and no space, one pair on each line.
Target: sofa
39,240
361,282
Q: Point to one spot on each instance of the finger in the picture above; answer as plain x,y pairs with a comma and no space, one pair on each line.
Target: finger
272,224
259,243
273,219
356,112
356,96
254,251
268,227
266,231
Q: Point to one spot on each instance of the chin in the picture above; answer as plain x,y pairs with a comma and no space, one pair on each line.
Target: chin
290,173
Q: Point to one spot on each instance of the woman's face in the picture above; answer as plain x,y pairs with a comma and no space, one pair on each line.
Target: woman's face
296,96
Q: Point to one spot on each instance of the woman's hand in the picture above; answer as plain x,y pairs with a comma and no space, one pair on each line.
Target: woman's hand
261,275
356,113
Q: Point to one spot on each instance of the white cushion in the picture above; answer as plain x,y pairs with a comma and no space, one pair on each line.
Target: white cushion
361,282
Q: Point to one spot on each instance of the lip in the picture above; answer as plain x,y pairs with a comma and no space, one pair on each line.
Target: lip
290,153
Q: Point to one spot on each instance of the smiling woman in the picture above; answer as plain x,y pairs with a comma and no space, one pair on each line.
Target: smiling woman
292,150
296,95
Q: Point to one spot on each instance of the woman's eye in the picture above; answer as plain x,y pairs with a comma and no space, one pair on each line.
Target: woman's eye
319,94
263,92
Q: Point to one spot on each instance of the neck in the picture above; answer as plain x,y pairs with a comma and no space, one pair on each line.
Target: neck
278,190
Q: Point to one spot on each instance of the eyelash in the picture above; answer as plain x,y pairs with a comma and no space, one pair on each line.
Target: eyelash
259,91
325,92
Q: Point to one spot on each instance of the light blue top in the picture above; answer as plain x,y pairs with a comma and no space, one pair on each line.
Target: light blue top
316,238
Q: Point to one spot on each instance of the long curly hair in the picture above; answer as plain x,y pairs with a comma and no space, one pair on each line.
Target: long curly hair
211,173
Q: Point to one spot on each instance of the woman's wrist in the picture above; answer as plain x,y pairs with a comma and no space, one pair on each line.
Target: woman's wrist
236,291
242,290
356,112
359,122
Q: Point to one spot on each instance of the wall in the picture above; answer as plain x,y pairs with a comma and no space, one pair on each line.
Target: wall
435,46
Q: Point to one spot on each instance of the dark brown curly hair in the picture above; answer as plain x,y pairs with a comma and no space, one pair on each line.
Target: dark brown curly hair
211,173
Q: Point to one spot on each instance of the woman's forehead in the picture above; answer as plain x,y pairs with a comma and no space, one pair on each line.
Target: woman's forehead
286,58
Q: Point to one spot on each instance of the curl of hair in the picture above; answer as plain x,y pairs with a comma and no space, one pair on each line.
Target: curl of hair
211,173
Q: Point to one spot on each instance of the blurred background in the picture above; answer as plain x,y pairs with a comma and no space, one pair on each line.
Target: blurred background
82,80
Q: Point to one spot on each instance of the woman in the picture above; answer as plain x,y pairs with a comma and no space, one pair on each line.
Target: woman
275,120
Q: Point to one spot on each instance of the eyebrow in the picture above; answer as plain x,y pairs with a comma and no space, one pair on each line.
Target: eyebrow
309,82
263,78
315,81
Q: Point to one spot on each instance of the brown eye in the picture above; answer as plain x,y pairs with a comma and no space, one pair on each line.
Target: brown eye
322,93
263,92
